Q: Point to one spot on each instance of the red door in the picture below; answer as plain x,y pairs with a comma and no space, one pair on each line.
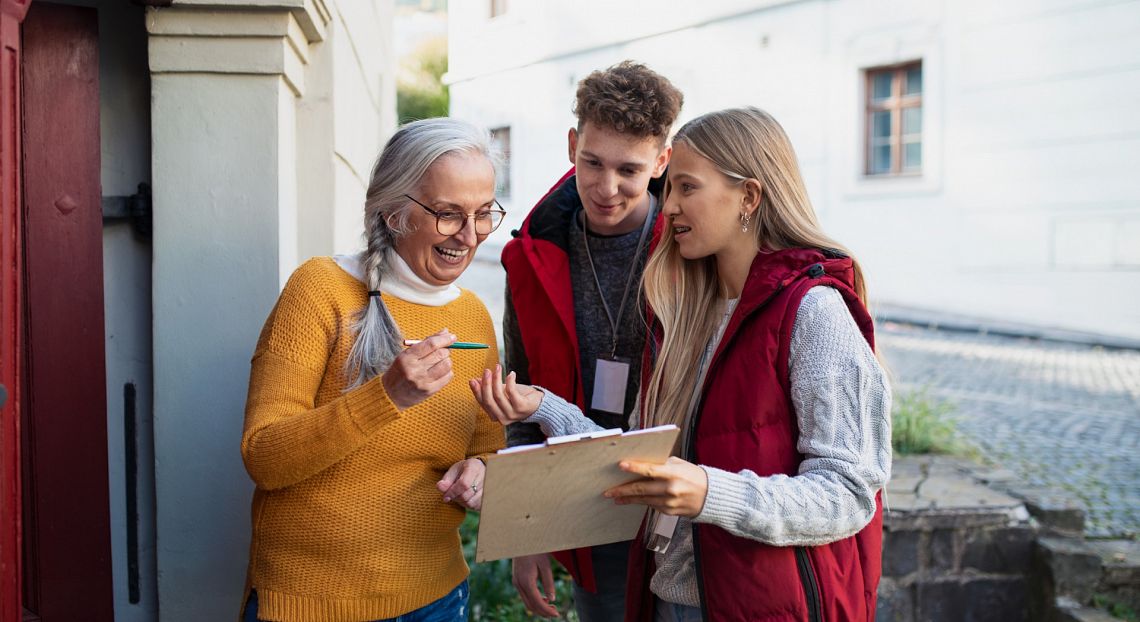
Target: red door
11,307
11,14
66,572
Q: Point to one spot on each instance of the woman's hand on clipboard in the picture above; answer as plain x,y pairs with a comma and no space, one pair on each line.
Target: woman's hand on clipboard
677,487
505,402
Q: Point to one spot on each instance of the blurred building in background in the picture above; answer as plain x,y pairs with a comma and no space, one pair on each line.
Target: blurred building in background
165,168
977,156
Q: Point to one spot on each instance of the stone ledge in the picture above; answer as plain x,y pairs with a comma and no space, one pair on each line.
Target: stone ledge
938,492
965,541
1120,571
313,16
236,24
1055,512
246,56
1068,611
1120,559
245,37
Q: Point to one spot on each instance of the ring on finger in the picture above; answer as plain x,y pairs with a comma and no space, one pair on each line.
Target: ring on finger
474,487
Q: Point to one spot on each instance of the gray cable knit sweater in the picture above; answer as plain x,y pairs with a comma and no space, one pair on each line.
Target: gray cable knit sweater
842,402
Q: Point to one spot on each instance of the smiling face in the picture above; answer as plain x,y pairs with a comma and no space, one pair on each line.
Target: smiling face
463,182
612,174
704,207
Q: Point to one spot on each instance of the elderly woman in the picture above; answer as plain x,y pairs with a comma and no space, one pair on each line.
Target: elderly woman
365,454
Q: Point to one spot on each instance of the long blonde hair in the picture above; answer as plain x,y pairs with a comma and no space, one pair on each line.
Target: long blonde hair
685,295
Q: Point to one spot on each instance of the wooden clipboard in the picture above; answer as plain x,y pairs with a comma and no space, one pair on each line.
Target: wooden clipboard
546,498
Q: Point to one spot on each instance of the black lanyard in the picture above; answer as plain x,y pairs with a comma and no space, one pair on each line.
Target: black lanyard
649,218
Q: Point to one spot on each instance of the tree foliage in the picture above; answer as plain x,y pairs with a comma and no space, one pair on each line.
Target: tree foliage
420,92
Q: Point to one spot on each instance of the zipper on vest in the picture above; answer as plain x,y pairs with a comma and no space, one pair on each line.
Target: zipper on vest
697,569
691,455
811,588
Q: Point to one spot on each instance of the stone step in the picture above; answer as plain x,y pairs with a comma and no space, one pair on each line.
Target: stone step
1121,560
1120,570
1077,573
1056,511
1070,568
1072,612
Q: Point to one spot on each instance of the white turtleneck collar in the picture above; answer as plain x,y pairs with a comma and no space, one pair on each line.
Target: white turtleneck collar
401,281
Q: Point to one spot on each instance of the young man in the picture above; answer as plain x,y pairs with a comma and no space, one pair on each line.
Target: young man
574,320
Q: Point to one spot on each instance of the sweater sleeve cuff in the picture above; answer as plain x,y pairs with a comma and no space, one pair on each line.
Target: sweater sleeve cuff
370,407
726,501
555,415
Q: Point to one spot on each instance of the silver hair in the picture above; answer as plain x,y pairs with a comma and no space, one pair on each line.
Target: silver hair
399,169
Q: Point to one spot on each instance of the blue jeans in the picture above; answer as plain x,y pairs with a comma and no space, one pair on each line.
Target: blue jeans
450,608
608,603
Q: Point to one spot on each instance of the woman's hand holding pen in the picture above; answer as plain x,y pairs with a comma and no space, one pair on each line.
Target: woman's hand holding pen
677,487
506,402
420,371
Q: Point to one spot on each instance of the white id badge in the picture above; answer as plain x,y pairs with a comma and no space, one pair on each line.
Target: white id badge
661,534
611,377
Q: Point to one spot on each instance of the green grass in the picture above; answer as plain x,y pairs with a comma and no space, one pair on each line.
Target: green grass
920,424
493,596
1115,608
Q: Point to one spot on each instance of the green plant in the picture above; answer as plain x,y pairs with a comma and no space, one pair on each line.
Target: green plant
1115,608
920,424
493,596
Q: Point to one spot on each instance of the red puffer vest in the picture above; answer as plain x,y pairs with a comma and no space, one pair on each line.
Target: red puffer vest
746,421
538,269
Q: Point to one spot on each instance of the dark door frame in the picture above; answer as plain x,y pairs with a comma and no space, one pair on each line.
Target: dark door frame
12,14
55,545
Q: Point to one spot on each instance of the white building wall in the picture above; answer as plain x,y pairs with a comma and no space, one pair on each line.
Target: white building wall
1027,209
348,111
365,105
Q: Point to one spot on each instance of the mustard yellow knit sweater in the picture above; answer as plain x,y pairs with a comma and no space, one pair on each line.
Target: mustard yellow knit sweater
348,524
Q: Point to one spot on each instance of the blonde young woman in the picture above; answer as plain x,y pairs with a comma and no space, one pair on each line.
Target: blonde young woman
762,353
366,453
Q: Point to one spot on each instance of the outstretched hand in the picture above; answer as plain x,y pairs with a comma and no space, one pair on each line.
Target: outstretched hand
505,402
531,575
677,487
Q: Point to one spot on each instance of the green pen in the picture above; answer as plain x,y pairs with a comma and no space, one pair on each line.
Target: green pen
458,345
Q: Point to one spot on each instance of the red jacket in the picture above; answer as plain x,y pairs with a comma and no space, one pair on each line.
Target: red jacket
538,271
746,421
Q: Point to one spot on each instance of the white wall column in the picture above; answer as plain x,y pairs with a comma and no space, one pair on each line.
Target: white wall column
225,80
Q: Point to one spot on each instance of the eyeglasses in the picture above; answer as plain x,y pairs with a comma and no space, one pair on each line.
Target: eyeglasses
450,222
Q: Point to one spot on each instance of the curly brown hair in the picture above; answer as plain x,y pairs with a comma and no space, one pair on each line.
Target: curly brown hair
628,98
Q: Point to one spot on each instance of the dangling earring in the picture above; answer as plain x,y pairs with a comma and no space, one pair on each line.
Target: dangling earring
744,218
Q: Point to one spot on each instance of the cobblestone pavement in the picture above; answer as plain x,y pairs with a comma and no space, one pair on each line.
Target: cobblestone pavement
1063,417
1060,416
